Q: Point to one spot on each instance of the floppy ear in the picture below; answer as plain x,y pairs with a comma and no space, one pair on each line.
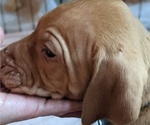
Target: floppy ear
115,91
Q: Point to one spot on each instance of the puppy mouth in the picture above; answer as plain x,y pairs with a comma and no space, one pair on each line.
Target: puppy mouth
9,78
6,89
11,82
8,85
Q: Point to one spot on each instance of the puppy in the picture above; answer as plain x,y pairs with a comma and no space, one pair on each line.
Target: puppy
90,50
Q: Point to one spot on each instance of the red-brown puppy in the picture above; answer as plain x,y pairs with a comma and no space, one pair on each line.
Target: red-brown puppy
90,50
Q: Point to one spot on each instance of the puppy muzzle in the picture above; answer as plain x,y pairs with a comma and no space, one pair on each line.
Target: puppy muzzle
9,75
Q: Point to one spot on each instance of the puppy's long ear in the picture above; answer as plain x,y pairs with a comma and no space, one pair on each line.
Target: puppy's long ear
115,91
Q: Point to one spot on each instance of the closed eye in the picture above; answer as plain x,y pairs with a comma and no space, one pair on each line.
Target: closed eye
48,52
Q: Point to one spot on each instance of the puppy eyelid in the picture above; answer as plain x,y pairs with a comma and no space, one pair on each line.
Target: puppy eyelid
48,52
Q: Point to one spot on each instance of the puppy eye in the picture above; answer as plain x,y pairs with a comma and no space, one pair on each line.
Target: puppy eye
48,52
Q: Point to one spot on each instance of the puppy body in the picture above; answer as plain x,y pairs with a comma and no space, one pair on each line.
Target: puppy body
101,54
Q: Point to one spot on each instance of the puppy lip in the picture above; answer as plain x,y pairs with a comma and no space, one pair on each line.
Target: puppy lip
11,79
11,84
56,95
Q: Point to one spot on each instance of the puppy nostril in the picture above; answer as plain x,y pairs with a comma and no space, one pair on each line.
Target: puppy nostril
2,66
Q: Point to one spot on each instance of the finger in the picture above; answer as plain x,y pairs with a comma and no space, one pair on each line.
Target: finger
60,107
1,35
16,107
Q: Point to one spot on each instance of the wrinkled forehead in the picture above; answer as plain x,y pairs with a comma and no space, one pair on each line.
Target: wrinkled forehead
65,17
68,21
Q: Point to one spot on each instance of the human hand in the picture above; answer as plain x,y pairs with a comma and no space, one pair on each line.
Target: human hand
15,107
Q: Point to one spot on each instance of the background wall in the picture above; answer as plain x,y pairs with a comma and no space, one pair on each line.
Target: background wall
23,15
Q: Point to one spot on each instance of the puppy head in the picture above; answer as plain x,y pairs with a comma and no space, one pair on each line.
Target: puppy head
71,48
82,50
54,60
